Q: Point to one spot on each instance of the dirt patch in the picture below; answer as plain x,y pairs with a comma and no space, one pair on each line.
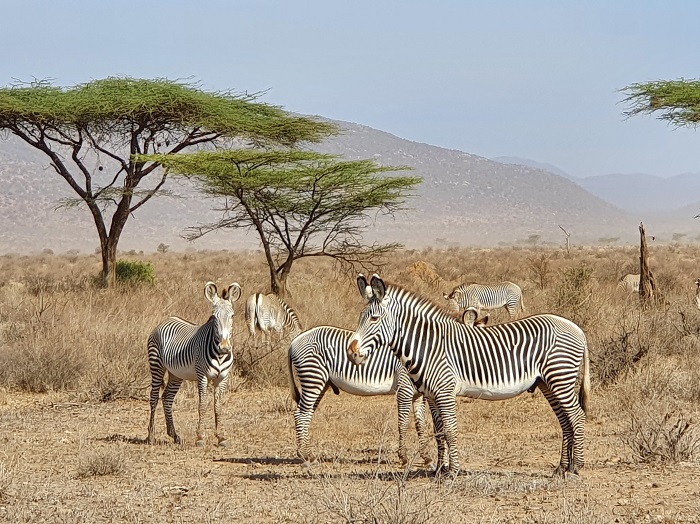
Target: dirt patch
52,447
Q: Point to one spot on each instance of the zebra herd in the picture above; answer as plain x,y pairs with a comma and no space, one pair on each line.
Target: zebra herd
404,344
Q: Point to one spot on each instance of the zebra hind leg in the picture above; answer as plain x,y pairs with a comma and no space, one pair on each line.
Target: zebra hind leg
171,390
566,429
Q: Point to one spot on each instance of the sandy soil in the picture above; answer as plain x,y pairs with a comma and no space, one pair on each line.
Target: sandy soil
55,449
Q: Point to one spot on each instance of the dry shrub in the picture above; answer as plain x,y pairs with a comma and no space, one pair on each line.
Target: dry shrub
40,369
397,502
8,473
573,295
425,272
658,433
109,461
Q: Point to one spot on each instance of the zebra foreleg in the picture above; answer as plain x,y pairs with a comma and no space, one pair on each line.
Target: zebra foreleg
156,384
171,390
442,464
447,405
313,387
421,429
218,393
202,383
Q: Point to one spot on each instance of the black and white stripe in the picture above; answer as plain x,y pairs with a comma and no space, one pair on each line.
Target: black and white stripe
445,358
487,297
630,283
270,313
193,352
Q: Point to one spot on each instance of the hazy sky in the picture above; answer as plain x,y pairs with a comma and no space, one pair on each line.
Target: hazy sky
535,79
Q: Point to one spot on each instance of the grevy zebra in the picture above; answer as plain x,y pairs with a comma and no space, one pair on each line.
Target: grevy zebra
192,352
444,358
487,297
317,360
630,283
270,313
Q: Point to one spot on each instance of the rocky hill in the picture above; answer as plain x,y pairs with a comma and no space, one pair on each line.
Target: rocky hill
464,200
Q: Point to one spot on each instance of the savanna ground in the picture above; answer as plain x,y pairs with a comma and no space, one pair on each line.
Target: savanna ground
74,384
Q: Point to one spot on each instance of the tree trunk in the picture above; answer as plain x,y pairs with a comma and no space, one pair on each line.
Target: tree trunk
109,262
647,282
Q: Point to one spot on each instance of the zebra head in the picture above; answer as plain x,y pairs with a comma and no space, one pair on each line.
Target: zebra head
377,324
222,313
458,299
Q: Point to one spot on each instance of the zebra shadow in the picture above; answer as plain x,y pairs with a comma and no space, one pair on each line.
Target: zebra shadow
265,461
123,438
311,475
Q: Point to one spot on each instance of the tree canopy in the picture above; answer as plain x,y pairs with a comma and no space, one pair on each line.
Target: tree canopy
300,203
676,101
90,132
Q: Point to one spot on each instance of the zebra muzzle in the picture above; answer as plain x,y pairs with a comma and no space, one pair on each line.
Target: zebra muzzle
354,353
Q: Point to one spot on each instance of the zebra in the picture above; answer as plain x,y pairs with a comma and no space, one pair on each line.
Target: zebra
630,283
445,359
270,313
193,352
486,297
697,293
316,359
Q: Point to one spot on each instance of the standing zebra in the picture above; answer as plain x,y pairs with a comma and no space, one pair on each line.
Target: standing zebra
630,283
191,352
445,358
270,313
505,294
317,359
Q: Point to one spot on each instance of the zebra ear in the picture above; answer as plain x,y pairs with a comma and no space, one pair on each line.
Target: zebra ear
378,287
233,292
210,292
363,287
482,321
469,316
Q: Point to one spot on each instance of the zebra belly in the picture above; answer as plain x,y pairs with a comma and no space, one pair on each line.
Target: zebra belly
495,392
358,386
183,372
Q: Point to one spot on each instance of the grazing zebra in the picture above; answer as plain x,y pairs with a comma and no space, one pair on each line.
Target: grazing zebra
445,358
270,313
505,294
193,352
629,283
697,293
317,359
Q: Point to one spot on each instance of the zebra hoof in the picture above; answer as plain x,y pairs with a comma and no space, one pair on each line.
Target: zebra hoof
200,443
559,472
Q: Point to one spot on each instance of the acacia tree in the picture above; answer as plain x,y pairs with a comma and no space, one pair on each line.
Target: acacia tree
299,203
676,101
91,132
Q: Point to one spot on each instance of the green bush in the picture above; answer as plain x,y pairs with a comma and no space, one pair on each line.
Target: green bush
135,272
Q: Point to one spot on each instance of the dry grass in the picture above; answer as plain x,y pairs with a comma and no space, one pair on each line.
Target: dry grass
74,381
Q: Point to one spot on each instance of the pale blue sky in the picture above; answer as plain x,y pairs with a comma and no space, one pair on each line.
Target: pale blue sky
535,79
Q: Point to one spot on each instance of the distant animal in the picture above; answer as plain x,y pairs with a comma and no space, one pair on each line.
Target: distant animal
193,352
317,360
445,359
697,293
630,283
270,313
487,297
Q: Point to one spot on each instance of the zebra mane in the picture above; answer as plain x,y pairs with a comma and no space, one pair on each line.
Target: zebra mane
424,305
290,313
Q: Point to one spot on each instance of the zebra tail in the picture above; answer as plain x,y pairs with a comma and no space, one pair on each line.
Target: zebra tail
585,390
292,384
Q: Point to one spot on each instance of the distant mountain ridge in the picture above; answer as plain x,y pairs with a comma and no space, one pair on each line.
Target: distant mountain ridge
464,199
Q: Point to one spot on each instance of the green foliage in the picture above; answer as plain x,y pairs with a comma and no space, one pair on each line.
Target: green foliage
677,101
112,105
135,272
